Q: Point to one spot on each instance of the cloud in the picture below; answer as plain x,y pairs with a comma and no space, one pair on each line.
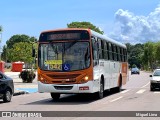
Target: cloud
131,28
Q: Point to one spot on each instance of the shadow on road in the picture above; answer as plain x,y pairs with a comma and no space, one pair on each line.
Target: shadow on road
1,102
73,99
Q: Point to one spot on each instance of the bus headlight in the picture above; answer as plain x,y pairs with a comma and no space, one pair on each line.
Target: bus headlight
85,79
42,79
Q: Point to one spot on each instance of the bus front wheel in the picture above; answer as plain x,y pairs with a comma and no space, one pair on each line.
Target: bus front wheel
55,96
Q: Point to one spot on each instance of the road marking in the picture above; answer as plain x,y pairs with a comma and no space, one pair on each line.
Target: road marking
145,85
124,91
116,99
156,92
141,91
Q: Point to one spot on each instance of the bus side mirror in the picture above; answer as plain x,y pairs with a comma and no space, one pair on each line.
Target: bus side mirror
33,52
150,75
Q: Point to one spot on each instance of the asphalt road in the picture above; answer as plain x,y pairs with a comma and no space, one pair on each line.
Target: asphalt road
135,96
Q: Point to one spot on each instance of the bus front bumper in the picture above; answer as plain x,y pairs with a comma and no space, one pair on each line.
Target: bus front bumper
71,88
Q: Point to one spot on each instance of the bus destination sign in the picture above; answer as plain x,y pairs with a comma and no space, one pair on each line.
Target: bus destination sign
64,36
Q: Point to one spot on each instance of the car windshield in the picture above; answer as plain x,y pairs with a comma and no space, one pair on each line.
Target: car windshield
64,56
156,73
134,69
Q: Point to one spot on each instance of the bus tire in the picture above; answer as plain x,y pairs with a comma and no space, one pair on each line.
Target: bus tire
100,93
55,96
118,89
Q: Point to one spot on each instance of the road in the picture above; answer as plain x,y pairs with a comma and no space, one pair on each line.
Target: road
135,96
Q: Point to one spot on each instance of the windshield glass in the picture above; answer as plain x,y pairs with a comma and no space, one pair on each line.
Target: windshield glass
135,69
156,73
65,56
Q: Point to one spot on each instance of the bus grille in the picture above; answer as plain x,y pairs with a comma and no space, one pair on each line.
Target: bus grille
64,81
64,76
63,87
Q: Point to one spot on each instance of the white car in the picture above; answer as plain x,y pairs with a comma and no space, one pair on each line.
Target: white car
155,80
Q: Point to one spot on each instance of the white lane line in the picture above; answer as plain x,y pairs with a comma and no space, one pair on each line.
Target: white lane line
156,92
124,91
141,91
116,99
145,85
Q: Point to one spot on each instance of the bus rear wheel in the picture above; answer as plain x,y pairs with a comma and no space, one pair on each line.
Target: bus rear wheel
119,87
55,96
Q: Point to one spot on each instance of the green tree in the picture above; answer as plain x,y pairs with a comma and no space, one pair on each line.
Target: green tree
149,55
135,53
157,53
21,51
19,38
84,25
13,40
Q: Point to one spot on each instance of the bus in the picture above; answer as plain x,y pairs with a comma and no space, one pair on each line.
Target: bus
77,60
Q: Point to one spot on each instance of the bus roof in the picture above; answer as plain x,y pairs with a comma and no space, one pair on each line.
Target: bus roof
63,29
93,33
108,39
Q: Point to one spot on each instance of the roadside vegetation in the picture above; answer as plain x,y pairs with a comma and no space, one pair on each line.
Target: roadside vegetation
145,56
19,48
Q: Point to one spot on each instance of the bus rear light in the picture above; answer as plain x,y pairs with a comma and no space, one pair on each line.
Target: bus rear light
84,88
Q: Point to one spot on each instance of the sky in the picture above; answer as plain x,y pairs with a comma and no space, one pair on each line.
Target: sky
123,20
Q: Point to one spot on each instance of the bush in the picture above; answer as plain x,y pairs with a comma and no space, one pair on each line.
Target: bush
27,76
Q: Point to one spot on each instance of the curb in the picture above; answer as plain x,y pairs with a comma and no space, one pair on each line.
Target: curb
20,93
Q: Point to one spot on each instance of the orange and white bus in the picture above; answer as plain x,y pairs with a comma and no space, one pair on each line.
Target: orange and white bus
76,60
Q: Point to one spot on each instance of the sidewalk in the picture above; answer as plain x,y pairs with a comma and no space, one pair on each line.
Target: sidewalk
19,86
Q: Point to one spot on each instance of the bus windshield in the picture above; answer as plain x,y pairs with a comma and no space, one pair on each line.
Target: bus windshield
64,56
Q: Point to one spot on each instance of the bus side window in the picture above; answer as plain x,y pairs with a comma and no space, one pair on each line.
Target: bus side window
118,53
122,54
100,48
115,53
110,52
125,55
95,51
105,50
